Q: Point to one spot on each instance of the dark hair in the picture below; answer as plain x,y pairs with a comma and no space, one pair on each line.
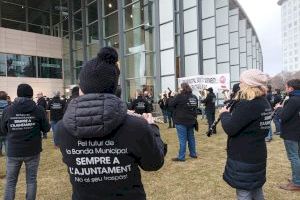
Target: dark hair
75,91
118,91
277,91
294,83
269,88
186,89
3,95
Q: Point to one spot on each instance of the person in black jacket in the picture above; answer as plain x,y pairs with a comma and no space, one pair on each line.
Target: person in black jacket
163,106
56,107
276,119
185,107
210,107
149,99
246,127
270,99
3,105
140,104
290,126
102,146
41,101
23,122
74,94
170,110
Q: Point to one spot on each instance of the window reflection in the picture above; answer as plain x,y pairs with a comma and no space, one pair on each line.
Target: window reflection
49,68
20,66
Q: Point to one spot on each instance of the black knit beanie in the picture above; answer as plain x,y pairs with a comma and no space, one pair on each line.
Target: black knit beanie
101,74
25,90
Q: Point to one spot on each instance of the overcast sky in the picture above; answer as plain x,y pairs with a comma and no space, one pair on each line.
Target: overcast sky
265,16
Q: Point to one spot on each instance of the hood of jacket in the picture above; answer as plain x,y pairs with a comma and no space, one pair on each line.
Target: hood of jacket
24,105
3,103
94,115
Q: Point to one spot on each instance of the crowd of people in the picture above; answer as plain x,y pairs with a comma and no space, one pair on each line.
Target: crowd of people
105,142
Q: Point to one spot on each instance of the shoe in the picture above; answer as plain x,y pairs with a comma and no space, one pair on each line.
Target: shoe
290,187
177,160
194,157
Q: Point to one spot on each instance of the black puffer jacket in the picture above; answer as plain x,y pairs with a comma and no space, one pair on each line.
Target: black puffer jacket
290,117
246,127
103,148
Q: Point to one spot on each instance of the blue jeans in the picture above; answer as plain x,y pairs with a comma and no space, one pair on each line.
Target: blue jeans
186,134
277,123
250,195
54,129
293,154
270,134
3,146
165,114
170,119
13,166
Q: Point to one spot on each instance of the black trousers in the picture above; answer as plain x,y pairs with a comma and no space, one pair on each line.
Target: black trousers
210,115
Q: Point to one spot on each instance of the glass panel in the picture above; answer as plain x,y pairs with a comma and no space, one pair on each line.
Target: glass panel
113,42
77,21
208,28
234,23
39,29
49,68
223,53
12,11
243,43
78,62
2,64
110,6
190,43
140,39
249,35
249,62
38,17
191,65
209,48
234,57
93,36
189,24
111,25
223,68
138,14
234,40
78,39
142,84
139,65
209,67
165,11
208,8
243,60
235,73
21,66
189,3
92,12
166,36
167,63
17,2
221,3
168,82
76,5
249,49
92,51
222,35
222,16
242,28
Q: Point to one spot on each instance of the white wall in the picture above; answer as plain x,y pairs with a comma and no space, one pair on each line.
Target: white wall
32,44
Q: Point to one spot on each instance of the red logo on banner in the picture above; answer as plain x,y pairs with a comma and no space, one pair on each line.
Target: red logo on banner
222,79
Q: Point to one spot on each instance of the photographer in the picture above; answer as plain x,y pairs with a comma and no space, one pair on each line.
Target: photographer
246,127
109,146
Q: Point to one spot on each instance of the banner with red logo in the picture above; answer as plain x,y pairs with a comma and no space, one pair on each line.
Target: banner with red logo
219,82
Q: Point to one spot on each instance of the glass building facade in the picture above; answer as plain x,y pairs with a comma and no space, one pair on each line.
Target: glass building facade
158,40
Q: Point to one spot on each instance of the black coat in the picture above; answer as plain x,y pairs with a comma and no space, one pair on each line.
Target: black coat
210,102
290,117
23,123
246,127
56,107
141,105
163,103
42,102
185,109
103,148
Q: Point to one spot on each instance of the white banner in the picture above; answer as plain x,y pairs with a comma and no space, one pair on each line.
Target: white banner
219,82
